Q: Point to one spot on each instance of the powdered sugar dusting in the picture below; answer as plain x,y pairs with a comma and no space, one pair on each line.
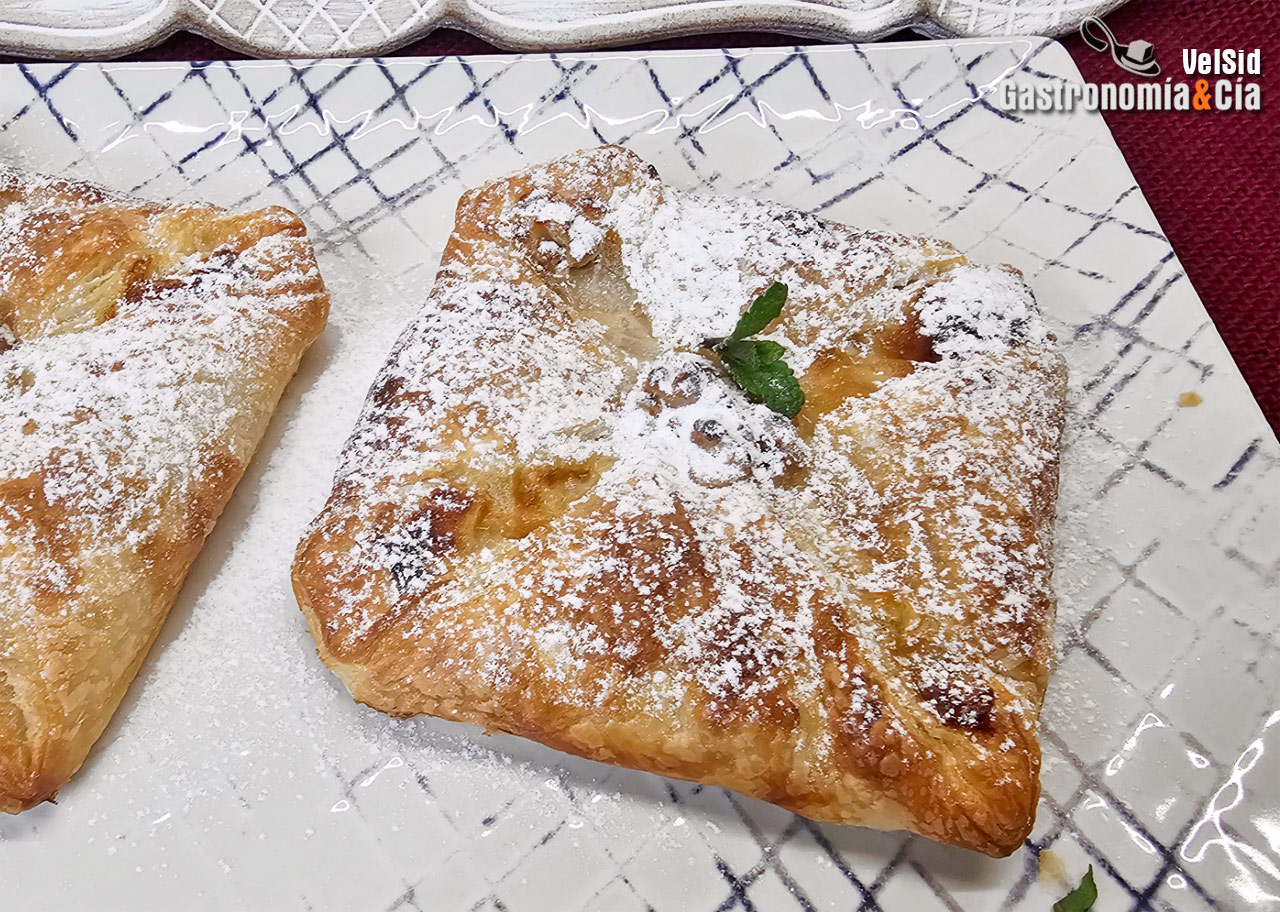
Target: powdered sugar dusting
972,309
114,412
734,542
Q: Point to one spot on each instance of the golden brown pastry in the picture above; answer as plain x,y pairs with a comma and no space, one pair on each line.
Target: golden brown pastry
557,517
143,347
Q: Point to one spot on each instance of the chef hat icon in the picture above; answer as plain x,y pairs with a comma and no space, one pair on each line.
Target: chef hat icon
1137,57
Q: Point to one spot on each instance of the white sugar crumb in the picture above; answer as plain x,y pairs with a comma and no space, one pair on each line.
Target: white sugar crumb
897,532
717,439
974,309
582,234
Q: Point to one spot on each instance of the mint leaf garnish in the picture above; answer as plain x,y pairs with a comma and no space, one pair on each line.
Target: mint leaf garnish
763,311
1082,898
773,384
756,365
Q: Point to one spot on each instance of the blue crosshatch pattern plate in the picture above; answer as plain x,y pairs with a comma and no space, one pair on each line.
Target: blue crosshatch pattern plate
239,774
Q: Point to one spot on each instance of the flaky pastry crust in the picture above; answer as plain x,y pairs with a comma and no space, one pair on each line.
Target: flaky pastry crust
143,348
557,517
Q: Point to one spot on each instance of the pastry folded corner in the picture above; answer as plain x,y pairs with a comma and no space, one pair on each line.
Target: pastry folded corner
146,348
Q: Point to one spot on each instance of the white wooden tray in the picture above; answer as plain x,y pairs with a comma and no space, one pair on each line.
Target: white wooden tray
93,29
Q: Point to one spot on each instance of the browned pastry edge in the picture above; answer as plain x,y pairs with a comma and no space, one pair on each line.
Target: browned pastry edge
70,690
886,776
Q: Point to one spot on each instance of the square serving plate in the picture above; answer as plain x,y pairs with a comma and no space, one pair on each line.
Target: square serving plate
240,775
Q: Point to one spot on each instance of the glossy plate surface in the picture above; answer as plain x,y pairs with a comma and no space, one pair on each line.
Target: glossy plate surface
239,774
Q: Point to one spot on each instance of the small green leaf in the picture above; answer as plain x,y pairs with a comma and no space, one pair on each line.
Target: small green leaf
752,353
769,351
756,365
1082,898
770,382
742,353
763,311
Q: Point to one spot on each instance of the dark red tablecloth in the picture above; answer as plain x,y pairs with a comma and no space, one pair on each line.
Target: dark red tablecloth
1213,179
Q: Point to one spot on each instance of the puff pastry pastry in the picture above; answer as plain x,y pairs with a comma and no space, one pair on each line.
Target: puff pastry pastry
143,348
557,518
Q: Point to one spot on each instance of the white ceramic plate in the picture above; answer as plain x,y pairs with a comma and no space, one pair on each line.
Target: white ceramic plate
92,29
240,775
